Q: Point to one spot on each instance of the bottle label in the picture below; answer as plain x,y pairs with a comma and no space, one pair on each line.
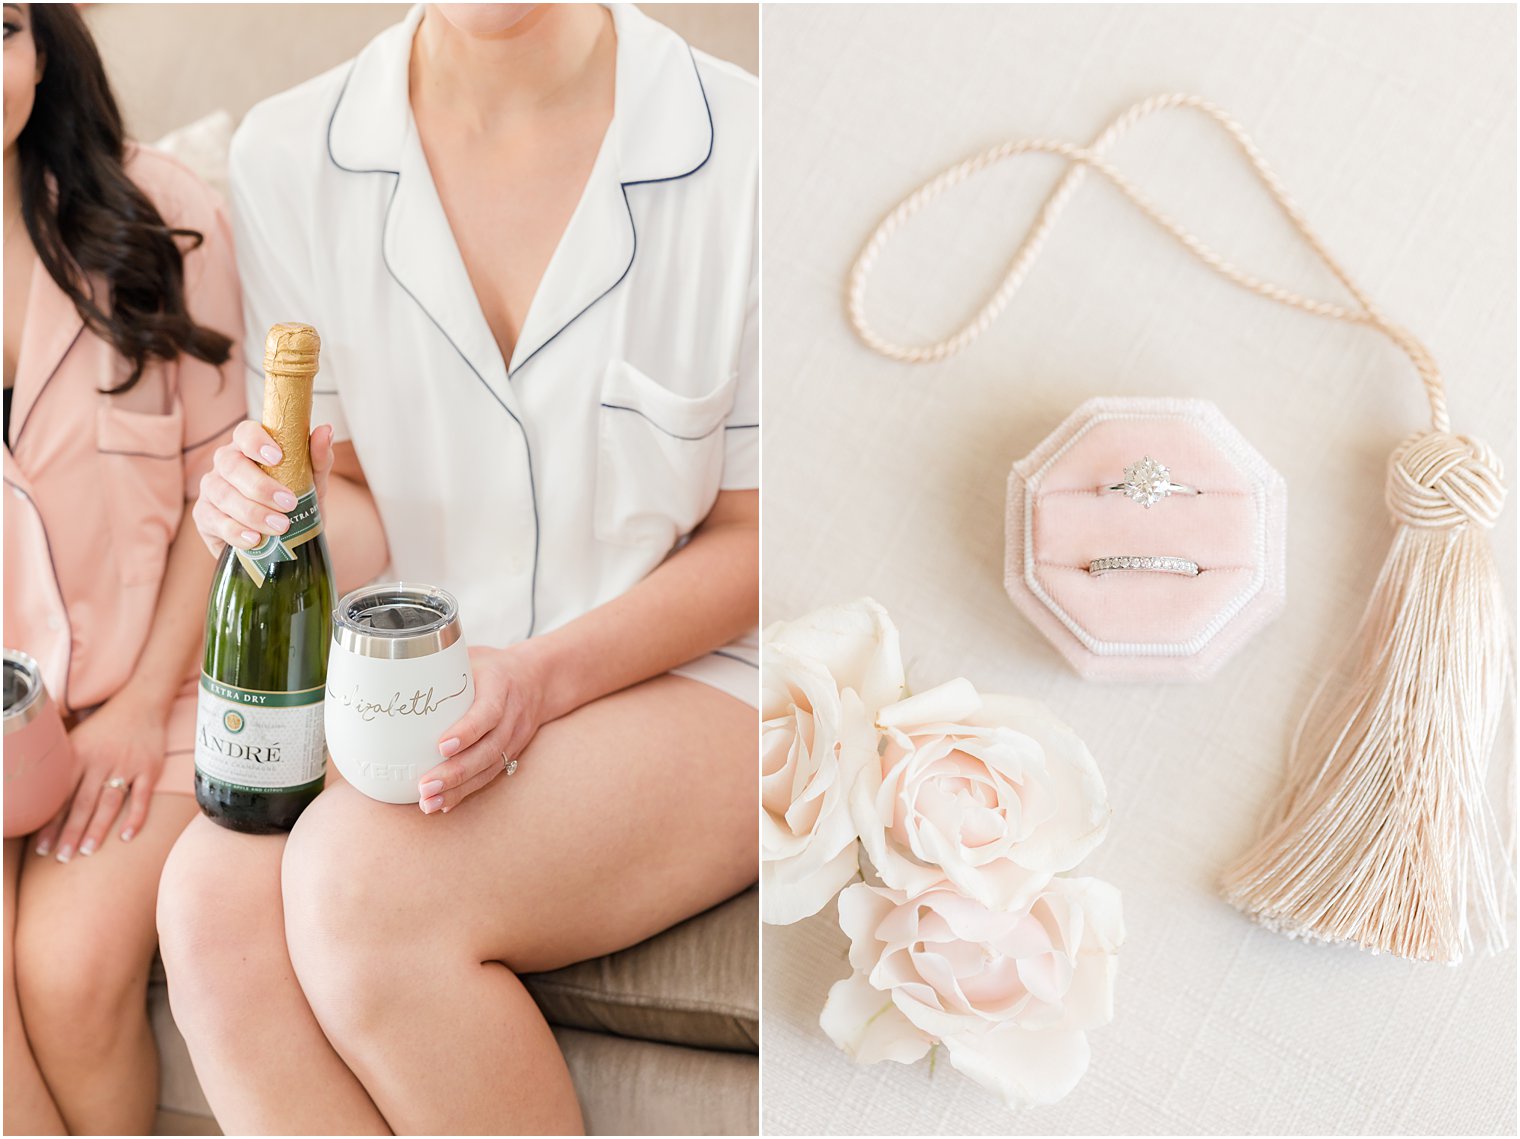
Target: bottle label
305,524
259,741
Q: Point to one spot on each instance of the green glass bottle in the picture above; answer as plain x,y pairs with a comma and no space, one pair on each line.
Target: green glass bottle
260,748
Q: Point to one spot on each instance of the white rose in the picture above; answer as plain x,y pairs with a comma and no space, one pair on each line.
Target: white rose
992,793
1009,993
822,679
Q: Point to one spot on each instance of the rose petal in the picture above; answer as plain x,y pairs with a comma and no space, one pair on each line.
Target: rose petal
1026,1068
997,990
923,1007
856,643
787,896
951,702
862,909
1073,791
1089,1000
1047,977
865,1023
808,850
969,919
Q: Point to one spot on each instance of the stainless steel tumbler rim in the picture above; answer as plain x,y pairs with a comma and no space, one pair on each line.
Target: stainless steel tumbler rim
25,694
427,617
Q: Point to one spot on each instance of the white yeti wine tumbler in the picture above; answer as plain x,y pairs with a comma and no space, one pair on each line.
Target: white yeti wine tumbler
398,675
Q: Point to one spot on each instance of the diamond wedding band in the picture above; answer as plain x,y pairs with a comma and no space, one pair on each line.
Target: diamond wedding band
117,783
1099,566
1148,482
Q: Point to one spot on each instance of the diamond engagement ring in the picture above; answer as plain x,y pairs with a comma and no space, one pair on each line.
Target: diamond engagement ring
1148,482
116,782
1100,566
508,765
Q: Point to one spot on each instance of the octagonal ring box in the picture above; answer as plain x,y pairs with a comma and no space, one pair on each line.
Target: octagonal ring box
1143,625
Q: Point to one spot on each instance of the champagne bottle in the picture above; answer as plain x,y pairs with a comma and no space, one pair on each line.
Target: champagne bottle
260,748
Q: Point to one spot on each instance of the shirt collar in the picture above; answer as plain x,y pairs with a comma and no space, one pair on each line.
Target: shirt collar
661,125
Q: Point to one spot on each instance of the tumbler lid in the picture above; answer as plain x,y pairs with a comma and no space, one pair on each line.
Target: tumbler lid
396,620
24,690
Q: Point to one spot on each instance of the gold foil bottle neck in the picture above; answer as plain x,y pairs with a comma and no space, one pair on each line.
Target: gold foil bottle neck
290,366
292,350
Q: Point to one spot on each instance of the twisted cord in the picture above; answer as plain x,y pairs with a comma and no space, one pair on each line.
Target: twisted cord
1091,157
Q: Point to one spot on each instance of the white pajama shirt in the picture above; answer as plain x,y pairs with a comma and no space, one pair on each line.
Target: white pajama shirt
538,488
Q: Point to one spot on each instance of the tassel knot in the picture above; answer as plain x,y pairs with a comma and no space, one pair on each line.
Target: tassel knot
1438,481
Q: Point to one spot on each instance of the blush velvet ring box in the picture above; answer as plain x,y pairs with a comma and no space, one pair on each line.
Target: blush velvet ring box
1164,593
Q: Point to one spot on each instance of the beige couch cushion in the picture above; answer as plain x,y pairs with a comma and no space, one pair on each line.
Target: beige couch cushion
625,1087
696,984
634,1087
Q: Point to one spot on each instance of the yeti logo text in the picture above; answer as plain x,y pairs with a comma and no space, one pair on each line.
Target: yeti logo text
396,771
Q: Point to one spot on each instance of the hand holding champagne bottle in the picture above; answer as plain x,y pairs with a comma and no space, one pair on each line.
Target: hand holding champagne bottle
260,753
239,504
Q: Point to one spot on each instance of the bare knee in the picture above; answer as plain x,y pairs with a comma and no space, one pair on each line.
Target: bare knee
358,919
219,928
79,991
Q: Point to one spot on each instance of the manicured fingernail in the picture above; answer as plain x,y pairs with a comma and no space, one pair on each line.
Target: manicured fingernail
127,835
271,454
431,805
284,500
250,538
43,847
449,746
430,788
65,852
277,523
87,846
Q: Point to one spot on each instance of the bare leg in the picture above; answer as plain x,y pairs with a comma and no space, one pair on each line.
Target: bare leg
262,1060
29,1109
407,931
84,943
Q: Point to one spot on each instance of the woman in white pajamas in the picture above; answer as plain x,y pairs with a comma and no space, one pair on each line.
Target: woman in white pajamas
527,238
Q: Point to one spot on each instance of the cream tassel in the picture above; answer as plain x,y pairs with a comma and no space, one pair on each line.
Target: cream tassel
1383,837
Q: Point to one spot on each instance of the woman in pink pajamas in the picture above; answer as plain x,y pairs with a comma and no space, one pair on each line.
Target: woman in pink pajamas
121,379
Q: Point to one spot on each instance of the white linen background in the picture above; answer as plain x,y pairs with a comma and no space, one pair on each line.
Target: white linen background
1395,129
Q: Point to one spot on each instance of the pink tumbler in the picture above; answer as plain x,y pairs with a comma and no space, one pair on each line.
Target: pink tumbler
39,764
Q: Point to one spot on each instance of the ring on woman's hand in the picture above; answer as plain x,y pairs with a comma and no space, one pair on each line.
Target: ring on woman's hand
1148,482
1099,566
509,765
116,782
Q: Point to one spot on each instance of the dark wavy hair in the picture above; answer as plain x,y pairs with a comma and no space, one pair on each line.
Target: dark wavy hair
85,216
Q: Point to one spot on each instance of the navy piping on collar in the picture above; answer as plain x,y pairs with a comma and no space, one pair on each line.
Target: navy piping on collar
16,435
68,660
385,260
522,429
712,136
